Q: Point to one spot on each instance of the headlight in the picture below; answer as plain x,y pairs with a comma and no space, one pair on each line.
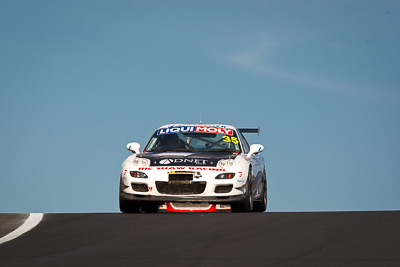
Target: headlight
137,174
225,163
141,162
229,175
230,162
221,163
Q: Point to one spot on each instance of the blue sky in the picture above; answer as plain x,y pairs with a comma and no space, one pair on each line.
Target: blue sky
80,79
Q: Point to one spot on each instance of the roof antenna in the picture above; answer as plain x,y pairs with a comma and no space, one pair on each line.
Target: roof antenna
200,118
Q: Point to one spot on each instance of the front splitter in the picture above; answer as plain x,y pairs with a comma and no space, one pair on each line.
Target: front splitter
211,200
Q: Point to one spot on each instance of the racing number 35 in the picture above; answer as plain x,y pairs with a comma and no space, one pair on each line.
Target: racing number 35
230,139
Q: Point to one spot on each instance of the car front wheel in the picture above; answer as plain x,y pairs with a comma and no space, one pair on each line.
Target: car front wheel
261,205
247,204
128,206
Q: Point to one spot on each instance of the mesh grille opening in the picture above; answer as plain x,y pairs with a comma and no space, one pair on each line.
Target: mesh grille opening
173,188
140,187
181,177
223,188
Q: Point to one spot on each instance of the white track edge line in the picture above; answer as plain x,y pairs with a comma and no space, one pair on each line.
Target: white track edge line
33,220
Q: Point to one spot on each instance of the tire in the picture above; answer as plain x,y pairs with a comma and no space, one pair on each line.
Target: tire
149,207
128,206
247,204
261,205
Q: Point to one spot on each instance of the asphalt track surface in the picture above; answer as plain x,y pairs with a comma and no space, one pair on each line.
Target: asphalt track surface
10,222
209,239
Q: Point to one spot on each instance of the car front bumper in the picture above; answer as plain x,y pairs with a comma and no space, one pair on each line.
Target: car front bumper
192,198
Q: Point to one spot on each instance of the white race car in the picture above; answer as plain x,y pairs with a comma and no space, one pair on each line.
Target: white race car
194,163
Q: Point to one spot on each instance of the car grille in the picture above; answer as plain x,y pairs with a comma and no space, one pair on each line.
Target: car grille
181,183
180,177
176,188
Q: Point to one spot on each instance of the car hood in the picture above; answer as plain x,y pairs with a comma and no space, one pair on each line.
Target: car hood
186,158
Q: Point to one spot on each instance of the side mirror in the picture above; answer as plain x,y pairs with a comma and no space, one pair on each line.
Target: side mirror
134,147
255,149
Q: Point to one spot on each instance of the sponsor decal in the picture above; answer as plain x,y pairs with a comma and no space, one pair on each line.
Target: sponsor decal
228,139
181,168
166,161
194,161
218,130
195,129
179,129
190,168
209,125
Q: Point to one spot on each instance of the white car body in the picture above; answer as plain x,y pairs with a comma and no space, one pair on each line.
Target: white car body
180,176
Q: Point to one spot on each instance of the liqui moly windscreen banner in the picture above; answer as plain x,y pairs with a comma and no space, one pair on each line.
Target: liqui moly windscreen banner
195,129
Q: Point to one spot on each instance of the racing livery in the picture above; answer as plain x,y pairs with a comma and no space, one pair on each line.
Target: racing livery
193,207
203,165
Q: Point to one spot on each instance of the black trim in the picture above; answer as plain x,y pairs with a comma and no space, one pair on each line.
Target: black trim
212,200
250,130
194,159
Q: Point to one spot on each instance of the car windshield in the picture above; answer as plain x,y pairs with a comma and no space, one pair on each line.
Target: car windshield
193,142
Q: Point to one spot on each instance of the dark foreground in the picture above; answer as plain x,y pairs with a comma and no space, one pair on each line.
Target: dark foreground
215,239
